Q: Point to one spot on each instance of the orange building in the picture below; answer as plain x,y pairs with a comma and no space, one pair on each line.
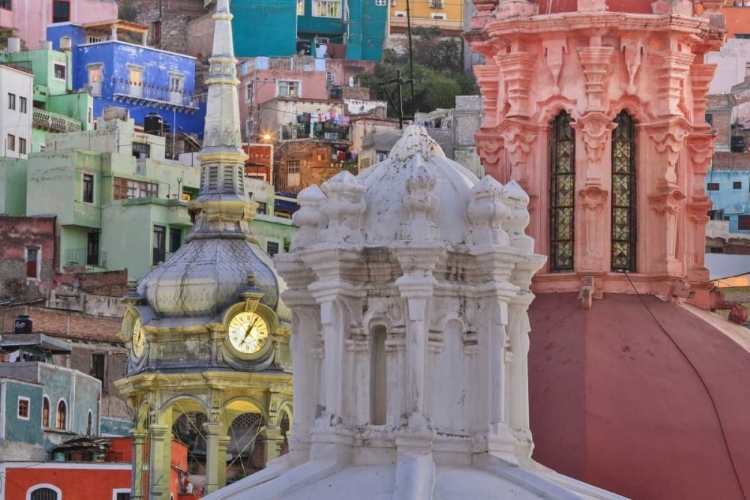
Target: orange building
737,16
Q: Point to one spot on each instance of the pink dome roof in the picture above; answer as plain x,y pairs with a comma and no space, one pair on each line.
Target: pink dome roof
613,401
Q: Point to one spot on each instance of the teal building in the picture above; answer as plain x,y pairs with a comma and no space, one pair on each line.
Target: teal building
350,29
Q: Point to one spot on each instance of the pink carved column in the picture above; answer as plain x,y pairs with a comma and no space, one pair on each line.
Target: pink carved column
699,152
516,70
701,76
665,194
593,141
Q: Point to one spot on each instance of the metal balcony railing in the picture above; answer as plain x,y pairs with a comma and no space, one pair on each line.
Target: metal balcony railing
54,122
82,257
155,95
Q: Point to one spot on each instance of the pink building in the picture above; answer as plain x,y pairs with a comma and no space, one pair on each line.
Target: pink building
31,17
266,78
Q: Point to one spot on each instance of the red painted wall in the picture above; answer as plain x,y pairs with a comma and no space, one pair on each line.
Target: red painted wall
91,483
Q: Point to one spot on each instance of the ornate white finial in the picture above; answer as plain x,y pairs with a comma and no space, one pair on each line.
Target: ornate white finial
415,142
487,212
309,217
517,200
345,208
420,206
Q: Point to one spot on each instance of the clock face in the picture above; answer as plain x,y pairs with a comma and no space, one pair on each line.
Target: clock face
248,332
139,338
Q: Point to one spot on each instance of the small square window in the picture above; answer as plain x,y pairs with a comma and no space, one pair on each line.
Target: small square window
23,408
737,185
712,186
11,101
60,71
288,88
272,248
23,104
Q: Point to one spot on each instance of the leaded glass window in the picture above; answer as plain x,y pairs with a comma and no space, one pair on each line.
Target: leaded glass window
562,193
623,194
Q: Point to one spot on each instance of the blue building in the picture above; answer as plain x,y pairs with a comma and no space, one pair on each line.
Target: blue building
349,29
42,405
729,190
111,60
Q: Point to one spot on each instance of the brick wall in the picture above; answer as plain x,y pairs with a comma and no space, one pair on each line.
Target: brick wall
200,38
175,16
19,233
731,161
312,169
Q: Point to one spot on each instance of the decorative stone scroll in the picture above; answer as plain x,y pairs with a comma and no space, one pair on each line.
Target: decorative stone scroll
595,61
420,207
516,69
669,143
486,213
554,53
592,202
309,217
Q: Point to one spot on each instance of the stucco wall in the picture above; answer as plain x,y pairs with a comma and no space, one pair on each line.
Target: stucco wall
18,233
727,198
13,186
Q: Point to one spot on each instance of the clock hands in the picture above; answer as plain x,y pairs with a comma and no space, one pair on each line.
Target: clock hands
247,332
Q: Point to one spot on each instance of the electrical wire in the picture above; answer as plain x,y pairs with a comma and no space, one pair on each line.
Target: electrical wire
703,382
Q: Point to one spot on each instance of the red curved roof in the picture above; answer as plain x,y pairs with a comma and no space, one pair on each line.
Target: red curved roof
557,6
614,403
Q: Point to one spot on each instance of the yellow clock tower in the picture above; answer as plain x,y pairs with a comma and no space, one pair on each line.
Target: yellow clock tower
208,334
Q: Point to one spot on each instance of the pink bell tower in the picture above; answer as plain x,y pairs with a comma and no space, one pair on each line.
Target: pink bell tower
597,109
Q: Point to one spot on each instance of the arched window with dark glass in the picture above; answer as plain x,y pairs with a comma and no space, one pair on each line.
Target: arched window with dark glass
623,194
562,193
62,415
45,412
43,493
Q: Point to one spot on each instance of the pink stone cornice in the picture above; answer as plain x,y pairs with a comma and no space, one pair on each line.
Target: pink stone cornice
701,150
518,140
516,70
633,105
617,22
667,201
672,68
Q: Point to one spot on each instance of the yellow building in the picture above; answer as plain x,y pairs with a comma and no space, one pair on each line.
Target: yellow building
448,15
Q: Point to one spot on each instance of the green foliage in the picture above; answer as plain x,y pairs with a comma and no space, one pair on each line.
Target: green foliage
438,73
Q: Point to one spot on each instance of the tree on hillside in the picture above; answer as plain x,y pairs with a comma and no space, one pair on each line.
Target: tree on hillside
438,73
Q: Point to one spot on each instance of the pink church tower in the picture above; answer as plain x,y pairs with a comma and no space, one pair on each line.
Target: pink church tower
597,109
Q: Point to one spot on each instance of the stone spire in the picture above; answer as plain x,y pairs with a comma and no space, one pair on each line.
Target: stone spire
222,159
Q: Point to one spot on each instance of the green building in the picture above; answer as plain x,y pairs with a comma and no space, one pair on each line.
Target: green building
57,107
351,29
119,203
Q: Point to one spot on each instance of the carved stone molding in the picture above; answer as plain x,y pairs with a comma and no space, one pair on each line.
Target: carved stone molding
666,204
701,76
484,12
595,61
596,132
516,8
487,212
488,78
669,139
592,203
516,69
518,142
554,54
420,207
667,201
632,49
490,150
671,69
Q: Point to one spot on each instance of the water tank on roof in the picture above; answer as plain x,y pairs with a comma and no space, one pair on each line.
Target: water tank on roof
22,324
153,124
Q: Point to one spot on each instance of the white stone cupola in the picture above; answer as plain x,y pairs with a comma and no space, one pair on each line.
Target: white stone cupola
409,289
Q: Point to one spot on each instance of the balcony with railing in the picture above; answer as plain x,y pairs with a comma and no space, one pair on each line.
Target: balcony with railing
158,96
53,122
331,133
82,257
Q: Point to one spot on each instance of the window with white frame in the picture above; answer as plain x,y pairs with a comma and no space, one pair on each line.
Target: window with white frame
61,422
399,13
93,39
23,407
292,167
272,248
380,3
95,80
321,39
300,7
44,492
60,71
330,78
327,8
176,88
288,88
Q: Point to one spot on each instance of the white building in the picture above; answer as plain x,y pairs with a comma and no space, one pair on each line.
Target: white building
16,103
733,65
